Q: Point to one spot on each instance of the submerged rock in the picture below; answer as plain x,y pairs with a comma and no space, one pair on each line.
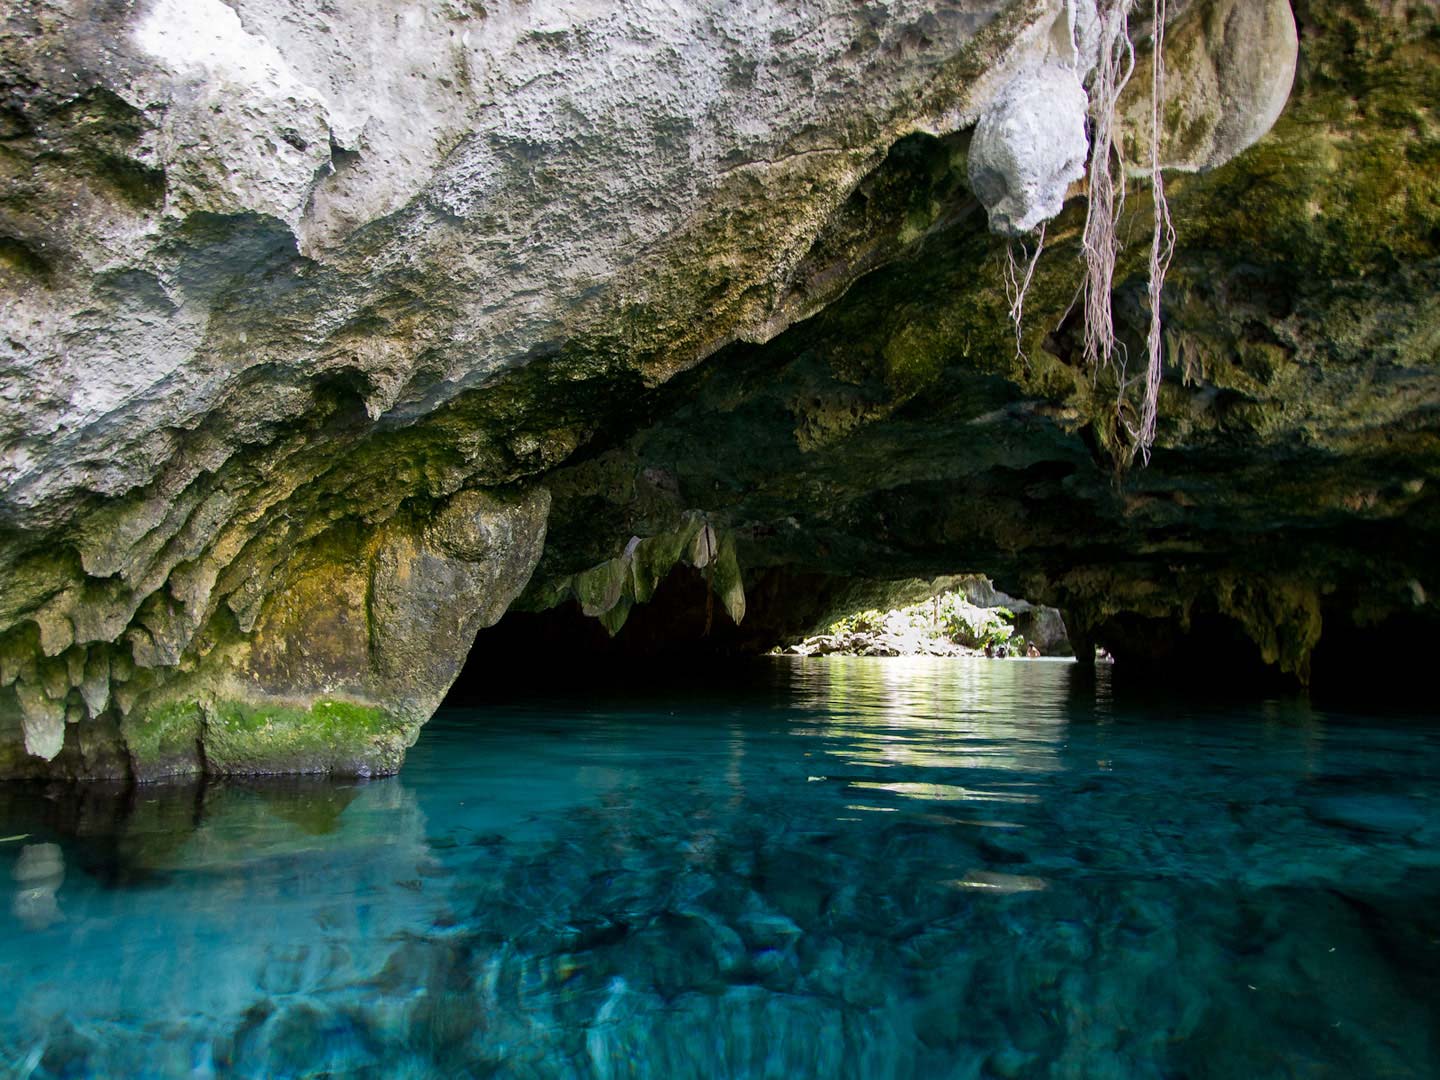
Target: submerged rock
1371,813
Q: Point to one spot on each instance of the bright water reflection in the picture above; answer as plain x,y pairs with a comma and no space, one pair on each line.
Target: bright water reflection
851,868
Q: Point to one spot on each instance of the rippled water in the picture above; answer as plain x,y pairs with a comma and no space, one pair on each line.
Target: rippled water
850,868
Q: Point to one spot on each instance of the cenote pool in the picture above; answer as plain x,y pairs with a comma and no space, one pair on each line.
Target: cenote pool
846,868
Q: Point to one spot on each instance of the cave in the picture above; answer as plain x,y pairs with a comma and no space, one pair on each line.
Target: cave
472,477
823,371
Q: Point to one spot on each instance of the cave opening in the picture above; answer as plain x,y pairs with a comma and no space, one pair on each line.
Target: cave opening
676,639
683,637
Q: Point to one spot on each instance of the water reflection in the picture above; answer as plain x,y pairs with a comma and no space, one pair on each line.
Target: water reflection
38,874
868,868
930,712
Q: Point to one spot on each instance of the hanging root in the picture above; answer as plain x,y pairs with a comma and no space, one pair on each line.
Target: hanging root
1105,193
1017,285
1162,243
1105,189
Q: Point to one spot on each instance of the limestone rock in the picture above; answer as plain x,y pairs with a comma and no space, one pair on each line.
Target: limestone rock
1029,148
1229,66
42,719
295,298
430,594
263,265
267,195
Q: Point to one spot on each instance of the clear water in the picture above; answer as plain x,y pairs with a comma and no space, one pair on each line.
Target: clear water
854,868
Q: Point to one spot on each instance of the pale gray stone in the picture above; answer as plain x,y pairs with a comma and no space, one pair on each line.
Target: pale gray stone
1029,148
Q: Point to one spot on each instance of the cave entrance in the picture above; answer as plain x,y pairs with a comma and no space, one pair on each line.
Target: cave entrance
675,637
945,617
682,635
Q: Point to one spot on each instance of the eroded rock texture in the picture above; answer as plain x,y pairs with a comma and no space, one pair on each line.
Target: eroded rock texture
268,265
1288,521
310,314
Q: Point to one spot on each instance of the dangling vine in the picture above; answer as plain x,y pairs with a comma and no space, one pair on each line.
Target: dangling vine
1105,198
1105,205
1017,285
1162,242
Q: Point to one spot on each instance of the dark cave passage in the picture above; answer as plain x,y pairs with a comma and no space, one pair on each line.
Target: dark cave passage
683,636
664,641
680,639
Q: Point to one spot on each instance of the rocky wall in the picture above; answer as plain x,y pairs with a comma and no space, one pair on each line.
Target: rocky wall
263,264
309,315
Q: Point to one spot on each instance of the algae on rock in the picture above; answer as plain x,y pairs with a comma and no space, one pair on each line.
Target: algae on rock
348,650
334,397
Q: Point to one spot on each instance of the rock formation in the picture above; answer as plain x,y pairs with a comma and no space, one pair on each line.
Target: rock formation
327,334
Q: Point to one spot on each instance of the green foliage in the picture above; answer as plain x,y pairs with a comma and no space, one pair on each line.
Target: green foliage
949,616
862,622
975,627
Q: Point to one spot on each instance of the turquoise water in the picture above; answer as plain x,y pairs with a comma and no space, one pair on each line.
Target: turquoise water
859,868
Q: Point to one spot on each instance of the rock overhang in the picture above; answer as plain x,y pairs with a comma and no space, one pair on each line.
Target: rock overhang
330,389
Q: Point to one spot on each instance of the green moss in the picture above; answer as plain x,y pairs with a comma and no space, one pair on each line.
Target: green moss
914,358
655,556
601,587
614,619
726,581
329,736
163,741
1348,182
325,719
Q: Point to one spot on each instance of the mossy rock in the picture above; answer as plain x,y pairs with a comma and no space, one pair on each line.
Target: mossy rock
329,736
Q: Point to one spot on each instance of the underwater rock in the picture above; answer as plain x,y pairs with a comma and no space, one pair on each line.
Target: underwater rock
1370,813
38,875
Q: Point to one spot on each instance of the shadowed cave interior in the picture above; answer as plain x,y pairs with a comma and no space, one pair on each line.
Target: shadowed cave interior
680,640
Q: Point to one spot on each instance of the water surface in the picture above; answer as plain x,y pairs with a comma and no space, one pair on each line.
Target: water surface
859,868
